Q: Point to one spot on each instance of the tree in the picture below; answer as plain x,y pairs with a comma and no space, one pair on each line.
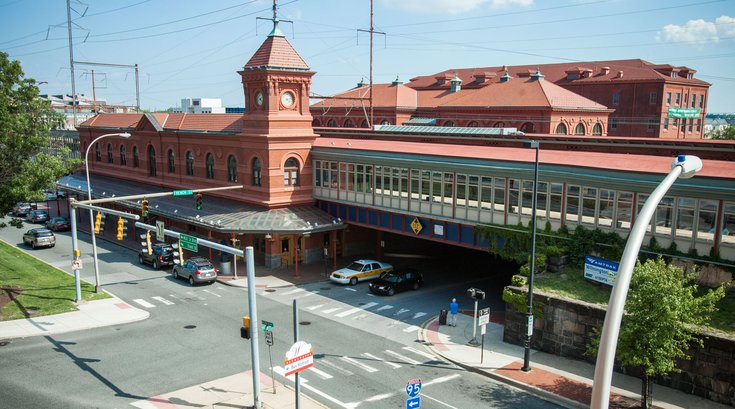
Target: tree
662,312
25,124
727,133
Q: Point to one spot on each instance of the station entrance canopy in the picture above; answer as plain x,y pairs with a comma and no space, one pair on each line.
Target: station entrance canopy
217,214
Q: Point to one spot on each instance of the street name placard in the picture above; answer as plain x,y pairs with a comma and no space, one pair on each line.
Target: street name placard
684,112
183,192
267,325
188,242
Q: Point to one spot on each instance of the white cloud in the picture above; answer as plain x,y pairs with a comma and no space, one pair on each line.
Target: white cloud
452,6
698,31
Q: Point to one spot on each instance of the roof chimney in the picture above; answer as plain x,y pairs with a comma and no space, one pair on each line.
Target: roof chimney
537,76
605,70
455,83
396,82
361,83
620,74
506,77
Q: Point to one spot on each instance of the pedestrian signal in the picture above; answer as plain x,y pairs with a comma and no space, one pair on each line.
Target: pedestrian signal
199,201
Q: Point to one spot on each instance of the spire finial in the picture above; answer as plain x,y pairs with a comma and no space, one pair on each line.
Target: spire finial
276,32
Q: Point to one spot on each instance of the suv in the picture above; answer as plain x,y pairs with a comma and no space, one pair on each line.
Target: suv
197,270
162,255
21,209
39,238
37,216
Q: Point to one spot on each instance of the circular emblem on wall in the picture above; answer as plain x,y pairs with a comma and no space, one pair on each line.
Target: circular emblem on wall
287,98
259,98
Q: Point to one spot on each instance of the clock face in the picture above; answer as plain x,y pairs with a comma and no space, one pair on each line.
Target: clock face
287,99
259,98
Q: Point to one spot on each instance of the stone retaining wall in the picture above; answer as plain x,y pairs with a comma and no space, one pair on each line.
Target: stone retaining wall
565,327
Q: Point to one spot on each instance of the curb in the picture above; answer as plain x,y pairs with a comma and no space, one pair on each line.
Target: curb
538,392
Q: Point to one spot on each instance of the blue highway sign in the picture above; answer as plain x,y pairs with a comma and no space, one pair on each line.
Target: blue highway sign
413,403
413,387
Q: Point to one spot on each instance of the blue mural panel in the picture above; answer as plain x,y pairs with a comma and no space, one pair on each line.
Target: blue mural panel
352,213
466,235
373,217
343,212
385,220
361,215
452,231
397,221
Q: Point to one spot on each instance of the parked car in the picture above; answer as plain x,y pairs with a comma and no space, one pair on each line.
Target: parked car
162,255
37,216
58,224
196,270
396,281
39,237
54,194
21,209
360,270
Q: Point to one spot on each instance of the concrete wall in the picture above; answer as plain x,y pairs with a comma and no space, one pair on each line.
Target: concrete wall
565,327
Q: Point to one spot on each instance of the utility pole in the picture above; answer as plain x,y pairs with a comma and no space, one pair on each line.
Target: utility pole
137,78
94,94
71,65
372,33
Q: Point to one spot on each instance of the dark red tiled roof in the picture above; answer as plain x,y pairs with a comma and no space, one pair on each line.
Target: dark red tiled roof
276,52
171,121
123,121
384,95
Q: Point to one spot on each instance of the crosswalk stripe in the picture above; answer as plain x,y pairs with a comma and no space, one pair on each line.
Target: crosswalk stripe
411,328
281,371
336,367
314,307
422,353
358,364
175,296
350,289
389,363
297,290
442,379
331,310
401,311
379,397
198,297
418,315
320,373
214,294
354,310
163,300
144,303
401,357
385,307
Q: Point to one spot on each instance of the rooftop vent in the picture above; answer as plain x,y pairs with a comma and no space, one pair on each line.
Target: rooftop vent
455,83
537,76
620,74
506,77
361,83
396,82
605,70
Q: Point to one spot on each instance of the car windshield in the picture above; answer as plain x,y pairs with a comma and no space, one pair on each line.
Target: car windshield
391,278
356,267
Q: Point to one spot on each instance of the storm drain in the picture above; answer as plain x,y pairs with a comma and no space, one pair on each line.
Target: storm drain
305,323
189,326
270,290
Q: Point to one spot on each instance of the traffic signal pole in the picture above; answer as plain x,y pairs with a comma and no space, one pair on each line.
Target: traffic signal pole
162,194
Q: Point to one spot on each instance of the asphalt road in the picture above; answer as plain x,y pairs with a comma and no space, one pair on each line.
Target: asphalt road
366,347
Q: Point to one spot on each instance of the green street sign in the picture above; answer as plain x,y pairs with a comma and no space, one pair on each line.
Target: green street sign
183,192
684,112
188,242
267,326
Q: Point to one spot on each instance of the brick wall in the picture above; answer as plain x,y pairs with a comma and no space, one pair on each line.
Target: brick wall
565,327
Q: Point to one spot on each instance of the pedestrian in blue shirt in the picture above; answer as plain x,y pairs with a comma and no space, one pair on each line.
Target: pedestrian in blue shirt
453,309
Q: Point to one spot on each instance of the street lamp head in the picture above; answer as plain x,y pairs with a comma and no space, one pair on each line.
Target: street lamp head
533,144
124,135
690,165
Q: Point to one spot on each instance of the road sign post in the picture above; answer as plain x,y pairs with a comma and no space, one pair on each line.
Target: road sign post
269,342
188,242
413,388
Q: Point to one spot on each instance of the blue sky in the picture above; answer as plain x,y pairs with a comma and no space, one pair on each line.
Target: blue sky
188,48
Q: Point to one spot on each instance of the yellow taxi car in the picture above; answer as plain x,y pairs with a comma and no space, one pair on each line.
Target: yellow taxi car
360,270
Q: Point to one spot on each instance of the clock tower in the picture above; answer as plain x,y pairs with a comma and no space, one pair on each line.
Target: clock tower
277,132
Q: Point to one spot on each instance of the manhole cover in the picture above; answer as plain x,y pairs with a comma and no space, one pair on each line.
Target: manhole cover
362,303
3,343
305,323
270,290
190,326
325,288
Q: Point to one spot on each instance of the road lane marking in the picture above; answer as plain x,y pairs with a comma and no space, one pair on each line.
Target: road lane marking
214,294
144,303
314,307
385,307
354,310
418,315
298,290
331,310
389,363
281,371
411,328
198,297
331,399
320,373
401,357
358,364
442,379
176,296
350,289
422,353
438,401
163,300
379,397
336,368
401,311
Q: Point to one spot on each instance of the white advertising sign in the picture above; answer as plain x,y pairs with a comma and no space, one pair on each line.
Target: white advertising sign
298,358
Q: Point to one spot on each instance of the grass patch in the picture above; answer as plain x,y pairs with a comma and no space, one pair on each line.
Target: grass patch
724,318
31,288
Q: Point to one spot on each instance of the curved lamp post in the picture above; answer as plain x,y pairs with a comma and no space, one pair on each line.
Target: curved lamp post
683,166
529,315
97,286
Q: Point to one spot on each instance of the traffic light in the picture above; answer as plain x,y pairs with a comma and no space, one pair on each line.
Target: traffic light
144,207
178,254
98,223
245,329
199,201
121,231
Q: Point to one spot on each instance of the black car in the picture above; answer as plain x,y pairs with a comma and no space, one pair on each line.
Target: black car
396,281
58,224
161,255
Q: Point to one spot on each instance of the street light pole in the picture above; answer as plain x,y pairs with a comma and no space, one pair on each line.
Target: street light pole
683,166
97,286
529,322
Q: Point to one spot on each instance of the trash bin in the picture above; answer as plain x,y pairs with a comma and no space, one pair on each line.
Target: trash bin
225,267
443,317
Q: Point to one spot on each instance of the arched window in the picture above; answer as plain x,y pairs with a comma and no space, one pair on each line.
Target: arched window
561,129
527,127
256,172
109,153
316,122
210,166
579,129
385,122
189,163
171,162
473,124
232,169
448,123
349,123
597,129
499,125
123,154
136,157
364,123
151,161
97,154
332,123
291,172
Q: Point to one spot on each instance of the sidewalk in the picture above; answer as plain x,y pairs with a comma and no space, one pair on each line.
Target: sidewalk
566,382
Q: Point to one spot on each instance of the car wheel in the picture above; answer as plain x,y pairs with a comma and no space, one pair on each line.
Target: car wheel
155,265
191,281
140,259
391,291
353,281
415,286
33,245
176,275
